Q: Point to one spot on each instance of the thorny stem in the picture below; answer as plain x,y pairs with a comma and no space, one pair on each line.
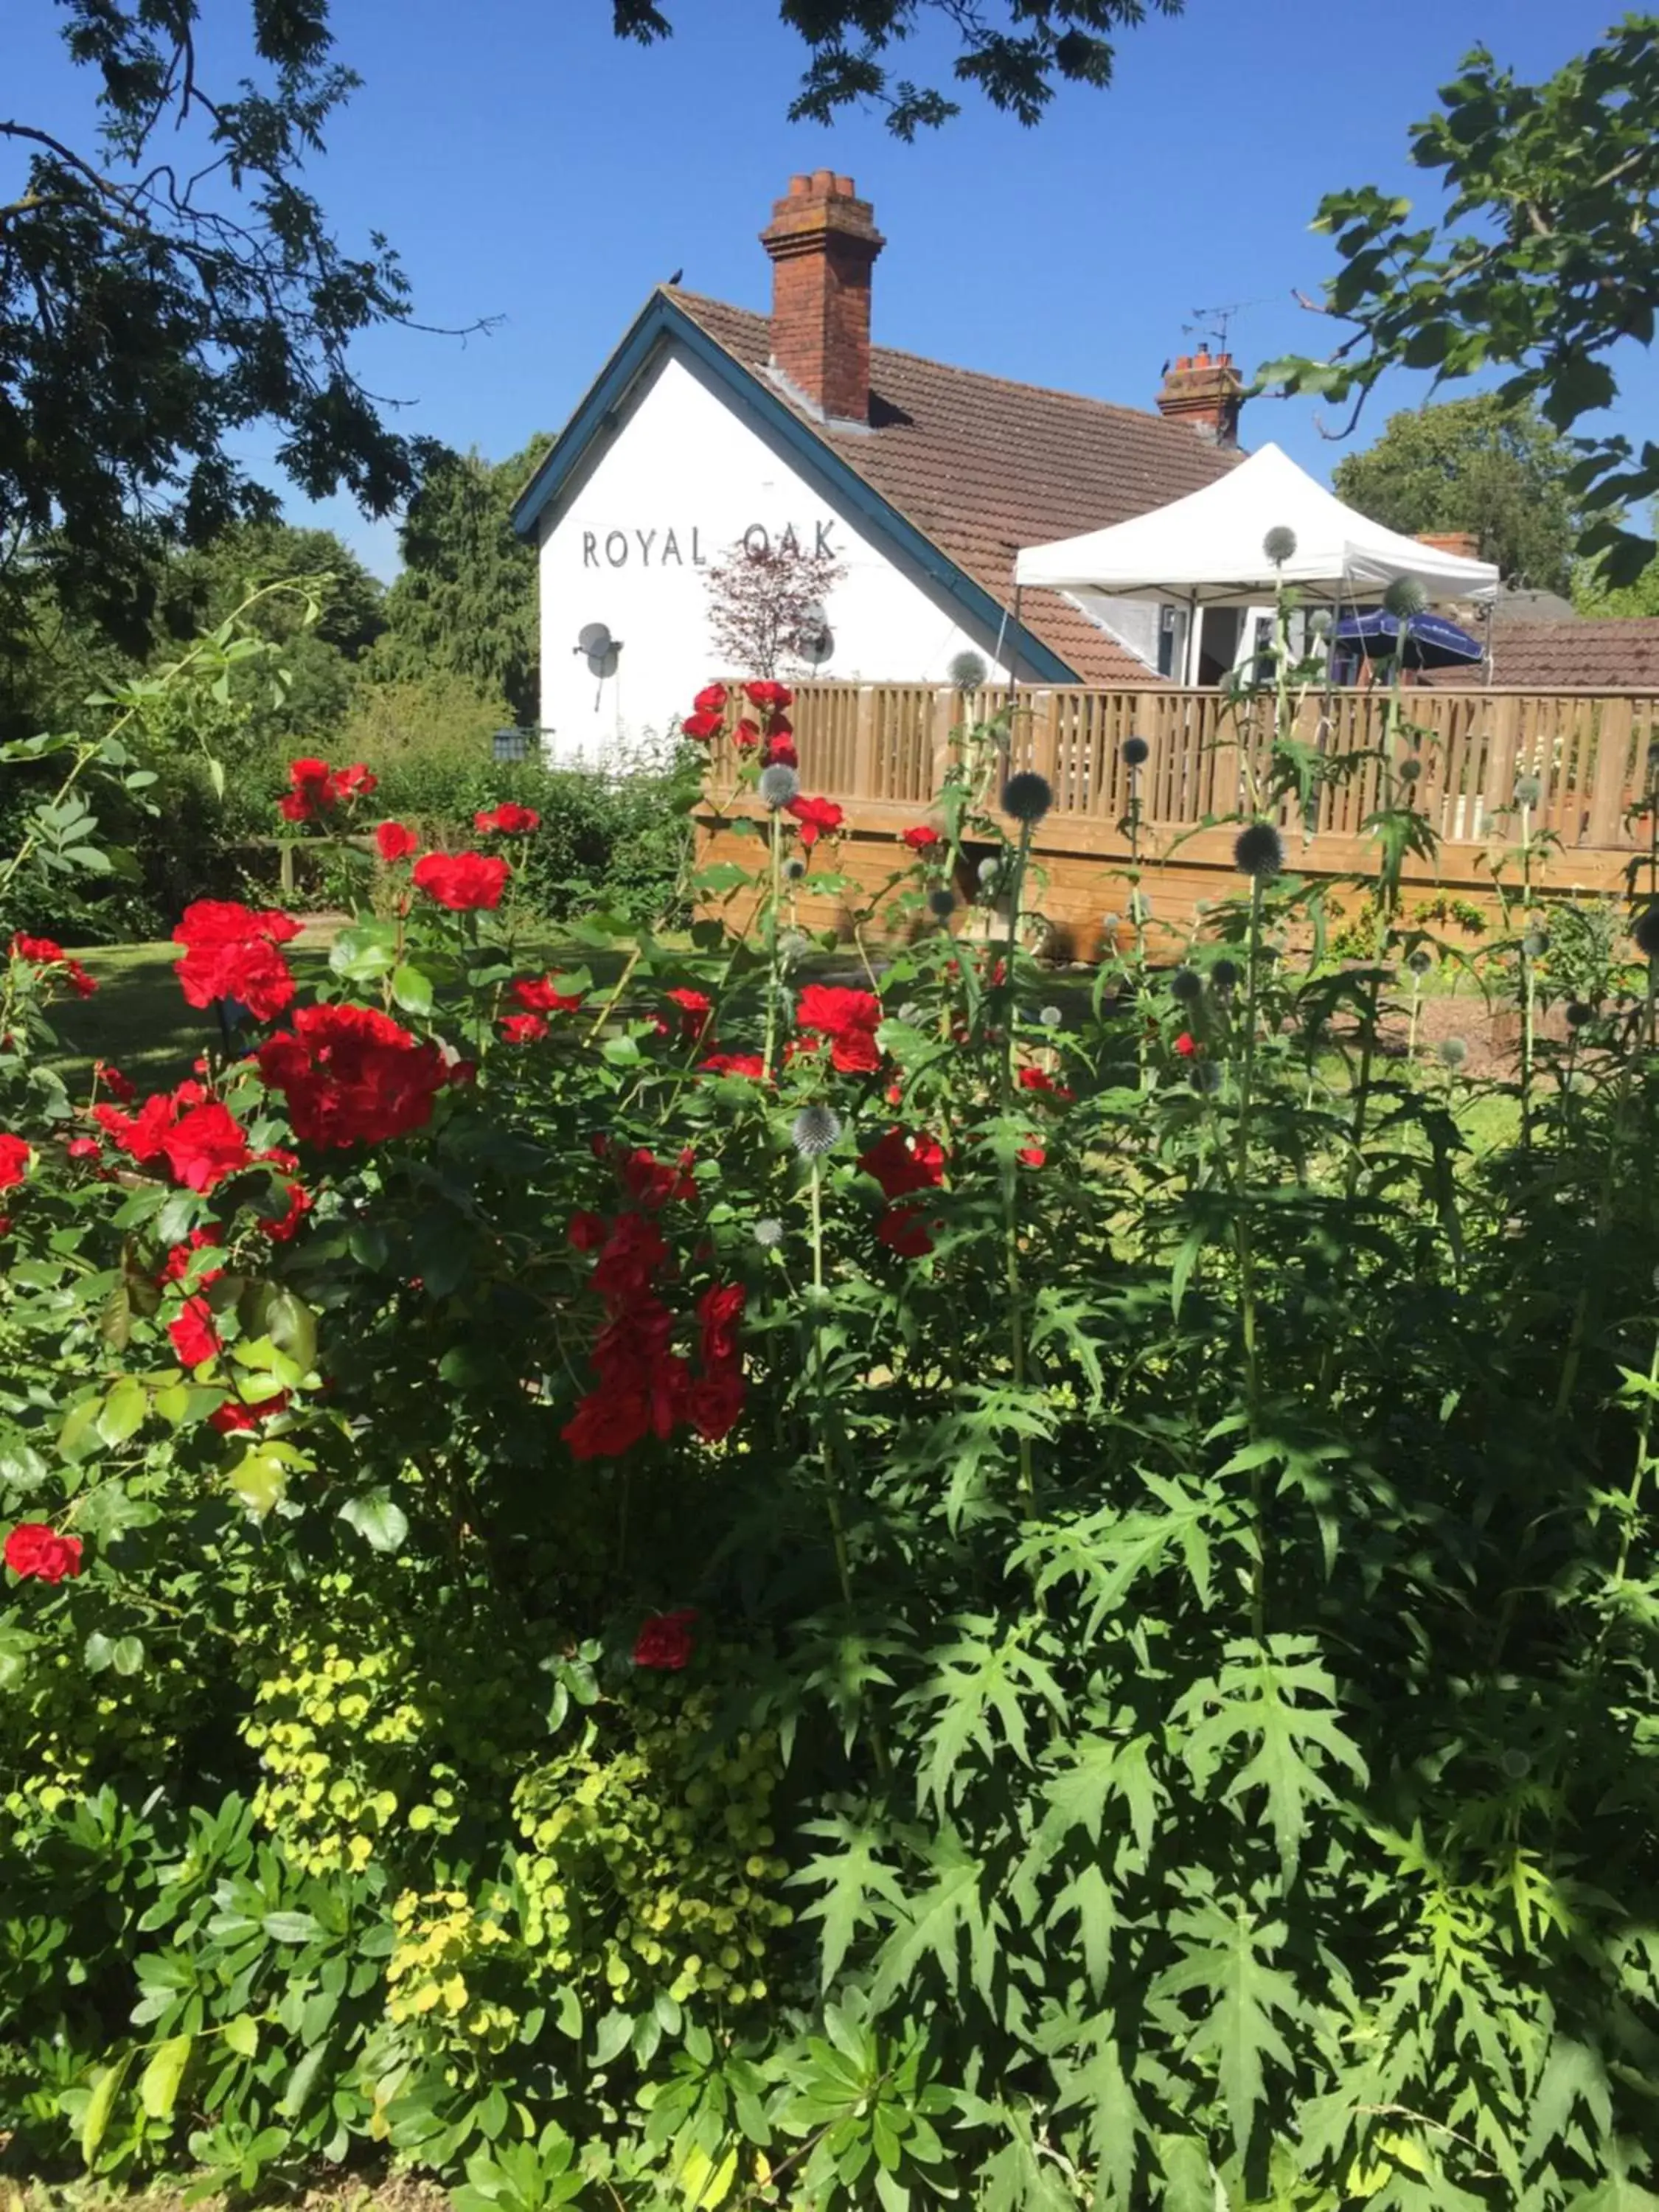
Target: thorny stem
1011,1169
1247,1263
773,978
831,1488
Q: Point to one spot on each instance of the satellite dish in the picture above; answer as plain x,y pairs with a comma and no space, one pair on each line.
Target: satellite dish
594,640
816,641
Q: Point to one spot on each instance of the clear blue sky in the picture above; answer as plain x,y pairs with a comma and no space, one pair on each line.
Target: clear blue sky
529,166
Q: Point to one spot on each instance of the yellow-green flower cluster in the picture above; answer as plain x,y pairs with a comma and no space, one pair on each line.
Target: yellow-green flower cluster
444,1948
647,1862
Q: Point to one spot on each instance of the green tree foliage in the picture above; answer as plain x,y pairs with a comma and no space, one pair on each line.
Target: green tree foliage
1543,260
1592,594
167,287
1013,51
1479,464
464,603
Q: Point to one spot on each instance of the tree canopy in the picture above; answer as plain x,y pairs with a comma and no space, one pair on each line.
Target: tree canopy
1544,261
1480,464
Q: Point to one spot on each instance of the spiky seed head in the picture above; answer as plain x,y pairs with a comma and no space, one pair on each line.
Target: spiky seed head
793,946
1279,544
795,867
1051,1017
1258,850
1186,985
1452,1052
779,785
1645,930
1027,797
1404,598
1205,1077
1226,976
815,1130
1420,962
967,671
769,1234
942,902
1529,790
1535,943
989,868
1410,770
1136,750
1141,906
1515,1763
1110,924
1319,622
1579,1013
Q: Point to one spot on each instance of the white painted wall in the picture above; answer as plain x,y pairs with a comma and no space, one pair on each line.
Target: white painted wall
683,475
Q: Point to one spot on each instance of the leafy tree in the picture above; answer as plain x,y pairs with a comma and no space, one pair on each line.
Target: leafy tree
764,601
1012,51
1544,261
465,602
1478,465
163,289
1592,594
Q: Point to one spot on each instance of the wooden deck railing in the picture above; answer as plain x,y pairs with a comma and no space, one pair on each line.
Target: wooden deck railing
891,743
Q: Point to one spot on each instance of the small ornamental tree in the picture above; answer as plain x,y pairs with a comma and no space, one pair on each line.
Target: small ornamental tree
763,601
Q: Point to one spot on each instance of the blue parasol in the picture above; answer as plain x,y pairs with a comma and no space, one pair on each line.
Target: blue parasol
1432,641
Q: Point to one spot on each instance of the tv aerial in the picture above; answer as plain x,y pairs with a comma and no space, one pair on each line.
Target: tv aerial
600,650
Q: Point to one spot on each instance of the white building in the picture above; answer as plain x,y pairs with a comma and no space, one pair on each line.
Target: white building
712,426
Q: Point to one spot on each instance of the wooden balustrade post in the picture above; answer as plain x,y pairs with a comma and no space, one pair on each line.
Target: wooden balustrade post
948,703
1608,782
1498,781
1223,794
863,745
1045,740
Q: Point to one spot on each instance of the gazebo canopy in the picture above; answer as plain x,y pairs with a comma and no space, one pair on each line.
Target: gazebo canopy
1206,549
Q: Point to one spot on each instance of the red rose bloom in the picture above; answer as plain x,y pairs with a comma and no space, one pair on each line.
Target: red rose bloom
13,1160
818,817
313,791
234,1415
354,783
718,1311
767,694
83,1148
206,1145
523,1029
462,881
665,1642
715,1402
282,1228
702,726
537,995
695,1008
395,842
350,1075
177,1267
34,1550
921,837
195,1339
230,952
849,1018
711,699
587,1232
38,951
1032,1155
903,1229
780,753
117,1085
1038,1078
900,1164
1186,1045
747,735
509,819
139,1136
733,1063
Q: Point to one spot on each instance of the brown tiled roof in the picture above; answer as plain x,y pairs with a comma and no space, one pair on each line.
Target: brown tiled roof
982,466
1578,656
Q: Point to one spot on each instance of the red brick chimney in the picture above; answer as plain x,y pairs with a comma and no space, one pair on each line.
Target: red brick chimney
822,240
1464,543
1206,392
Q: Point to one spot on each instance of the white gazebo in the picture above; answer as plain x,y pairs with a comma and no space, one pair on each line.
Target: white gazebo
1208,550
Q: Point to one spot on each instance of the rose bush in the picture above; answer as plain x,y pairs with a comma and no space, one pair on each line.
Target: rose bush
744,1586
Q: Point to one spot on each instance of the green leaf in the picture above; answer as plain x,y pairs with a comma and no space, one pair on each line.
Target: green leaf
1224,1962
95,2121
293,2100
291,1927
242,2036
128,1656
411,990
98,1652
1115,2122
158,2085
124,1411
378,1518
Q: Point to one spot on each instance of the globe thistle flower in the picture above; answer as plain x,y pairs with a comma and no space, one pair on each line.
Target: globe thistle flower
1420,962
1227,975
1110,924
1535,943
1319,622
1205,1077
1404,598
1410,769
1051,1017
795,868
1136,750
1185,985
967,671
989,869
769,1234
1529,790
1027,797
1578,1014
778,785
815,1130
1141,907
1452,1052
1515,1763
942,902
1258,850
1279,544
793,946
1645,930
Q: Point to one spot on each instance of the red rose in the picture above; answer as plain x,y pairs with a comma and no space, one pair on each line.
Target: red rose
587,1232
282,1228
746,735
920,837
711,699
769,694
523,1029
350,1075
140,1135
34,1549
733,1063
177,1267
718,1311
117,1085
1038,1078
462,881
702,726
652,1182
1033,1155
665,1642
395,842
900,1164
234,1415
230,952
537,995
509,819
904,1230
293,807
313,791
1186,1045
13,1160
40,951
715,1402
195,1339
849,1018
694,1009
354,783
780,753
606,1425
818,817
83,1148
633,1252
204,1145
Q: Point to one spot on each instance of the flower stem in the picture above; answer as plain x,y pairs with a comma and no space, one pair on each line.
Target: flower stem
774,976
1247,1265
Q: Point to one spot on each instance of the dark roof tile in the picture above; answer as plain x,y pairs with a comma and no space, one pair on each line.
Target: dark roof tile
1574,655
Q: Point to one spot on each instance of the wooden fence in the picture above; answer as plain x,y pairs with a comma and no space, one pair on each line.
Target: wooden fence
882,749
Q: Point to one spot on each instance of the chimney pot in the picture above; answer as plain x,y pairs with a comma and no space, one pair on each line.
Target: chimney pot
1466,544
1205,393
823,241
